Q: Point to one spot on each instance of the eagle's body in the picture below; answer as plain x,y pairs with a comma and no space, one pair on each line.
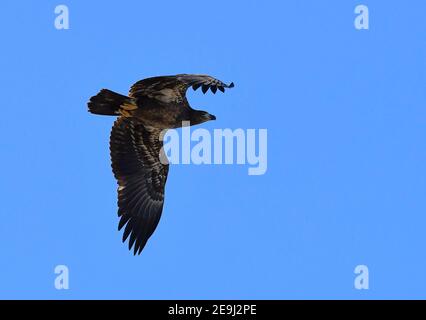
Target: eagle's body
138,162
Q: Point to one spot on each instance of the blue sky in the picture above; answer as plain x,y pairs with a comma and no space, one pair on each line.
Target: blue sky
346,178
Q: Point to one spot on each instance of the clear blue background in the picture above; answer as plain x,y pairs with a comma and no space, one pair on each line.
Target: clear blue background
346,120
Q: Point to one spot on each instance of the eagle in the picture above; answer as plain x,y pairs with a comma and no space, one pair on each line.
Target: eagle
138,162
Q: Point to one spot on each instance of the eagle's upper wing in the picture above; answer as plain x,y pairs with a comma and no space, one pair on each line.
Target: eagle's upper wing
141,176
173,88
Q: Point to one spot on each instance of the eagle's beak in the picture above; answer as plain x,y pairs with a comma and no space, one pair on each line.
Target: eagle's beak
207,117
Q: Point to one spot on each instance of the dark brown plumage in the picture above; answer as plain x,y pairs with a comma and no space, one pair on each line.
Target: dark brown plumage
138,162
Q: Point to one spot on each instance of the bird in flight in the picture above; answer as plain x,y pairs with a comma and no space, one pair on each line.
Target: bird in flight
138,161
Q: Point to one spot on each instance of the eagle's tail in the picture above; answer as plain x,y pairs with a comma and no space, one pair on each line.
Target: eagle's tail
110,103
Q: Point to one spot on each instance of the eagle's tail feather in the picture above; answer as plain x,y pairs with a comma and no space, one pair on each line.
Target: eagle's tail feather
110,103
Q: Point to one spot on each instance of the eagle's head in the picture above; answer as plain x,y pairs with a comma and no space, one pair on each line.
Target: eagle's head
199,116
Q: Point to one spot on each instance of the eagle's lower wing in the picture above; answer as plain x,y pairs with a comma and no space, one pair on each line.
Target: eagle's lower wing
173,88
141,176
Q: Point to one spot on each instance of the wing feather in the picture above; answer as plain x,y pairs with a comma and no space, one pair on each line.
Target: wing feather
141,176
173,88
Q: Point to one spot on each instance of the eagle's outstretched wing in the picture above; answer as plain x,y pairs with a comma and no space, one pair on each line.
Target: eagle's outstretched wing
173,88
141,176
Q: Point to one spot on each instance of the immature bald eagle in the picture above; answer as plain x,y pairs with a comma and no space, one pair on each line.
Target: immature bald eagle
153,104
